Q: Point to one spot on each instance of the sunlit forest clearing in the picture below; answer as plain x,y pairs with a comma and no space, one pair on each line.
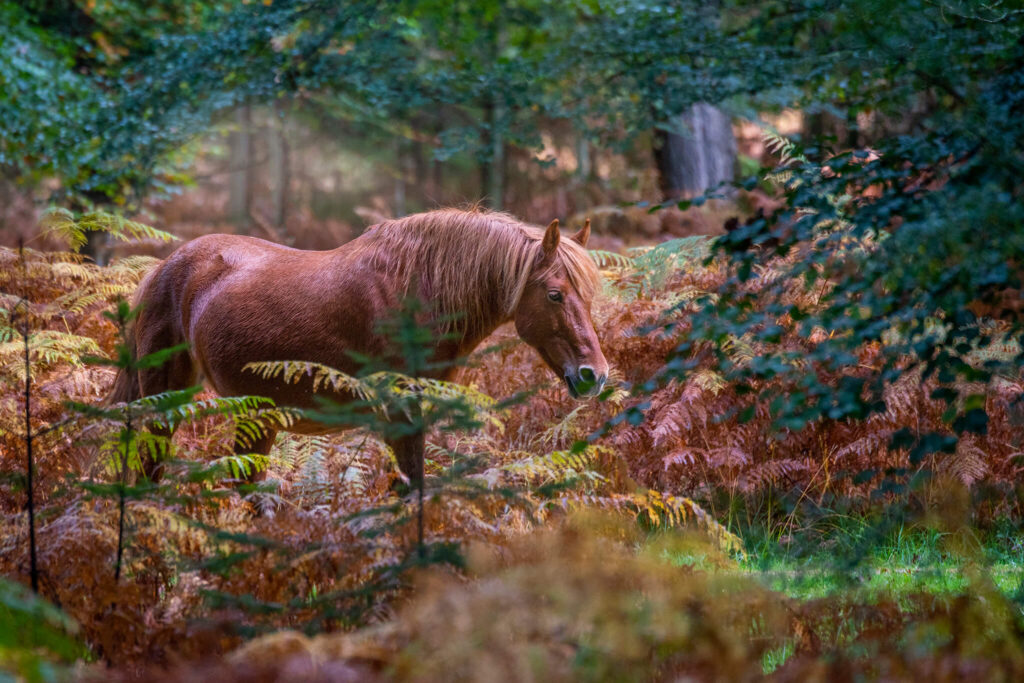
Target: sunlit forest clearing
789,447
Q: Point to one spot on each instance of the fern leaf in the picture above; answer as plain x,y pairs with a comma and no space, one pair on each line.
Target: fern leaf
62,224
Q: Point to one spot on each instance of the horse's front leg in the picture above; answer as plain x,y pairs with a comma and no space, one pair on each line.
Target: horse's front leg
407,441
408,450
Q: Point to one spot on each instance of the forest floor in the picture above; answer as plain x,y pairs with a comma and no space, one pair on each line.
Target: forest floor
559,541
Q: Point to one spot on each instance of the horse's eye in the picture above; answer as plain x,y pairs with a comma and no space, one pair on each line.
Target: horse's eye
555,296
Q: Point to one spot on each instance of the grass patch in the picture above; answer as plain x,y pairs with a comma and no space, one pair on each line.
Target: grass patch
905,561
856,564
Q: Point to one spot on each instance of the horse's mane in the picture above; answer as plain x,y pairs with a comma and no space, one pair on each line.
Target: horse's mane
468,261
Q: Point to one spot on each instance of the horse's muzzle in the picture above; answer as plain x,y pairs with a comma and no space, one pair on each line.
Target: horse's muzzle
584,382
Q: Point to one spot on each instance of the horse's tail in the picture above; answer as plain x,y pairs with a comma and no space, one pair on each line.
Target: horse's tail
126,385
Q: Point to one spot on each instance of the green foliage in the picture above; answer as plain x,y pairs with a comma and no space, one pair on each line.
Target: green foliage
911,250
36,639
463,75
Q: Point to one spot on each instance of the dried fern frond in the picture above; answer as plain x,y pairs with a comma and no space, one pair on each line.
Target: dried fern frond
46,348
566,430
968,465
661,510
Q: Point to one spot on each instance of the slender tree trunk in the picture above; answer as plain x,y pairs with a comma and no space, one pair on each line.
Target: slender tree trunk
437,195
698,159
280,172
583,163
493,177
584,169
400,184
496,184
240,197
29,463
420,174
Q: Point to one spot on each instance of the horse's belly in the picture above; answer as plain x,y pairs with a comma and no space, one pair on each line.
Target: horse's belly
312,428
269,324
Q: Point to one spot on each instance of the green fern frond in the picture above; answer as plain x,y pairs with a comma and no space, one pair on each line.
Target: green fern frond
611,259
62,224
655,264
251,427
240,466
125,449
376,388
323,377
231,406
558,466
436,389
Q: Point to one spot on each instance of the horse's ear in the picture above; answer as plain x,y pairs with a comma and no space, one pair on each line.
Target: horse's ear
583,235
551,237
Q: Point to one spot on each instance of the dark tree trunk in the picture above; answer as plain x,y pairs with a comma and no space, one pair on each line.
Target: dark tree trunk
700,158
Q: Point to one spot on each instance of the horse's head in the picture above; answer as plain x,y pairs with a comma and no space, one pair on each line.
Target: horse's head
553,315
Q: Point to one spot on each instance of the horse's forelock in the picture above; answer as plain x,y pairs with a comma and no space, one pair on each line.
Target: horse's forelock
583,273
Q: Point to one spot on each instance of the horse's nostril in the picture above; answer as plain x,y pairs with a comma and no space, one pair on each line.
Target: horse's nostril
587,374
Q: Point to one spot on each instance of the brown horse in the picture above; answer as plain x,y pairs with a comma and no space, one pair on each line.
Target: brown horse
237,300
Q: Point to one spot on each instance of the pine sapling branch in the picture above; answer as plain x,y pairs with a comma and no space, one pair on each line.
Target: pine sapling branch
128,433
121,495
422,550
30,505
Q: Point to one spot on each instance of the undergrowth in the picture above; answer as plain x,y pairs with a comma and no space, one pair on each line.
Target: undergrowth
326,546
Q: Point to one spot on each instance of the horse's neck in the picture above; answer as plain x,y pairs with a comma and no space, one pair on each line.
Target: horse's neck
483,303
493,316
484,308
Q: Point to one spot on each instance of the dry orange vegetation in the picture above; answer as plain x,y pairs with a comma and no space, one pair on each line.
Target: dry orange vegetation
208,563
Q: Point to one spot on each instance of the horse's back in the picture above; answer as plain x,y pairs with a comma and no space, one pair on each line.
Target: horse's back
238,299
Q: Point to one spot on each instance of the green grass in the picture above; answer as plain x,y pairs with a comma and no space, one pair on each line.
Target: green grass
857,561
907,560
